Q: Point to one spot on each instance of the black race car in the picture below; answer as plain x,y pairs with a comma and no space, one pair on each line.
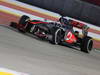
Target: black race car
56,32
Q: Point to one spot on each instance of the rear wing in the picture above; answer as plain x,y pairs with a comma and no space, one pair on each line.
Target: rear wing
78,25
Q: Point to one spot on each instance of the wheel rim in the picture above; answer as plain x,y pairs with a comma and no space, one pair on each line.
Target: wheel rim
57,37
89,46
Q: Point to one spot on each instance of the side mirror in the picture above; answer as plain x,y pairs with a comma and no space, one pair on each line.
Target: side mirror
85,30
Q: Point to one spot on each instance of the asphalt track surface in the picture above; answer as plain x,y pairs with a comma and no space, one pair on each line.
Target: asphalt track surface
26,53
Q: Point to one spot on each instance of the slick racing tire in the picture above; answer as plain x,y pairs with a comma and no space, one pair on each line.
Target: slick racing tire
86,44
56,36
23,21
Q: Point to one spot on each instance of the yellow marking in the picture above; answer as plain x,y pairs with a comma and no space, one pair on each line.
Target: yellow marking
9,12
97,39
5,73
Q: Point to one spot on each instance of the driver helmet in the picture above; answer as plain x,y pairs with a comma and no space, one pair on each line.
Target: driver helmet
63,20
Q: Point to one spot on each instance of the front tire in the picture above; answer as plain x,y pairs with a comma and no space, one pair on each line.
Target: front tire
86,44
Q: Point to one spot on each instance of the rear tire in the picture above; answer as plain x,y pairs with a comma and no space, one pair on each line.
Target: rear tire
23,21
86,44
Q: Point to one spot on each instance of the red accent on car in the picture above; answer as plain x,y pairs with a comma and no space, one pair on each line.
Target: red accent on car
20,26
39,22
70,38
40,34
77,24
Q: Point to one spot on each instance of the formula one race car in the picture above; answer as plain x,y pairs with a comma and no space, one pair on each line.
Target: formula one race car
56,32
